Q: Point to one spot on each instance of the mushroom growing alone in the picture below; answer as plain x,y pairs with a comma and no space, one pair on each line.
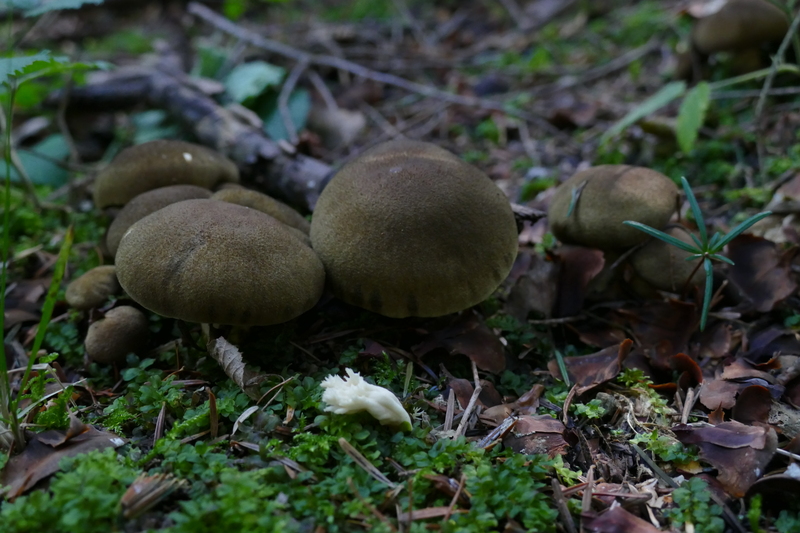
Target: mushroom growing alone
217,262
157,164
93,288
409,229
146,203
604,197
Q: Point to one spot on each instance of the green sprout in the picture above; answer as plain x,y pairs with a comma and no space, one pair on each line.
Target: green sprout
706,249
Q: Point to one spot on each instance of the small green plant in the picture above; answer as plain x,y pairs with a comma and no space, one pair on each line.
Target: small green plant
693,500
706,248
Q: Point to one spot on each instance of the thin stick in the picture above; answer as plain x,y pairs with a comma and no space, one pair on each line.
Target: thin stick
777,60
453,502
318,83
561,504
462,426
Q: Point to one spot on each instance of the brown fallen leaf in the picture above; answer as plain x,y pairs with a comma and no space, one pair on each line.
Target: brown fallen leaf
534,288
469,336
738,452
752,405
230,359
617,520
761,271
44,452
579,265
588,371
534,434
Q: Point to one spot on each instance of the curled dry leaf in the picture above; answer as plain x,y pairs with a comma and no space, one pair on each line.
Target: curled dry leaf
617,520
588,371
740,453
753,405
230,359
146,492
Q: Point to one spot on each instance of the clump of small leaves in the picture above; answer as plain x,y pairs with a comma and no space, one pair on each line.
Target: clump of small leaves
706,248
665,447
694,508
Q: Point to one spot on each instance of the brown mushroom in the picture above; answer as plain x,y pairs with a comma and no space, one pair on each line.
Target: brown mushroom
146,203
121,331
740,25
157,164
664,266
217,262
409,229
604,197
93,288
265,204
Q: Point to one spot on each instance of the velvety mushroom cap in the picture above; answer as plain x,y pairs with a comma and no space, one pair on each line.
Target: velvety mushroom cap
664,266
409,229
123,330
265,204
217,262
93,288
740,24
609,195
157,164
146,203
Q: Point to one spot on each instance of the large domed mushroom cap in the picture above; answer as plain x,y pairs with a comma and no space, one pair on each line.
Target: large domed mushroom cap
146,203
265,204
409,229
738,25
216,262
608,196
157,164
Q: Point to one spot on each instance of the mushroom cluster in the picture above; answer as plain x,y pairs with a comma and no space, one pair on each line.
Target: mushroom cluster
237,257
409,229
589,209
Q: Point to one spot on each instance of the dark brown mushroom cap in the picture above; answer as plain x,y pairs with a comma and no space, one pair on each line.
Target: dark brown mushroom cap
265,204
664,266
738,25
123,330
609,195
93,288
217,262
409,229
157,164
146,203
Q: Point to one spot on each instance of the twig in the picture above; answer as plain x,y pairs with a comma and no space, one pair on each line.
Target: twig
451,407
364,463
777,60
586,502
453,502
416,28
283,100
465,416
17,164
276,47
561,504
322,89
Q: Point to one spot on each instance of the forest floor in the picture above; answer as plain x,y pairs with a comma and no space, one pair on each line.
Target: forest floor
660,425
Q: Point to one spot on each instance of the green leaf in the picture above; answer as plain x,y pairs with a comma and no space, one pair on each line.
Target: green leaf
45,6
709,292
692,114
662,236
721,258
667,94
41,162
13,67
251,79
698,215
741,228
299,105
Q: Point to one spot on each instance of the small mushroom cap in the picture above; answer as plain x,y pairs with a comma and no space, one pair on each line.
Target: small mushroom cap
123,330
217,262
740,24
265,204
664,266
609,195
146,203
93,288
157,164
409,229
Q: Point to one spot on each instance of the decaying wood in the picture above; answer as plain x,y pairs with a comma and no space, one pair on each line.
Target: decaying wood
274,167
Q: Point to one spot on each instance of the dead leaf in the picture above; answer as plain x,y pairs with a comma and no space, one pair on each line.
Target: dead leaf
752,405
617,520
588,371
534,434
579,265
535,288
761,271
44,452
469,336
740,453
661,328
230,359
